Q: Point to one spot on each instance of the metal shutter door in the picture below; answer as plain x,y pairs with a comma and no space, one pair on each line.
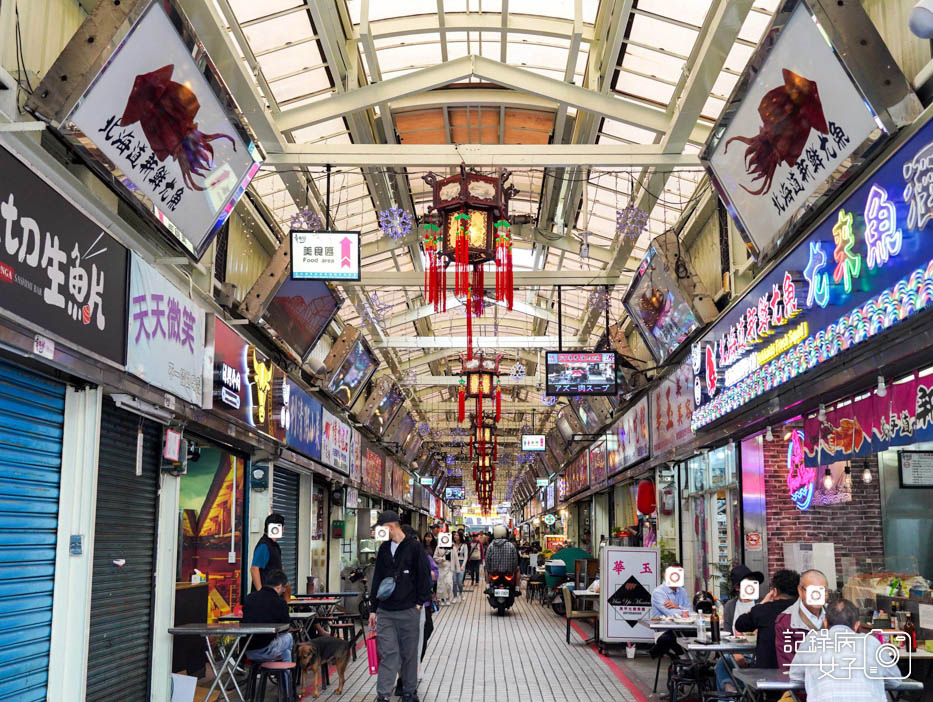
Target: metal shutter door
32,413
125,527
285,502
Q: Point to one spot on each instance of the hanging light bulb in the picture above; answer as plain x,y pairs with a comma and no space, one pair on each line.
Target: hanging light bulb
866,475
827,479
847,481
882,390
822,413
768,435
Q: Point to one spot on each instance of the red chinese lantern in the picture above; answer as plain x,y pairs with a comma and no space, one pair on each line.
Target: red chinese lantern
645,501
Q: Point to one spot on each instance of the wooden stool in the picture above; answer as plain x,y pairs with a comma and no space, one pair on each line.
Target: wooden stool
280,670
346,631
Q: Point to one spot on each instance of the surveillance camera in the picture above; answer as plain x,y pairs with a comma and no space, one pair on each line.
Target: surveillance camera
920,20
316,366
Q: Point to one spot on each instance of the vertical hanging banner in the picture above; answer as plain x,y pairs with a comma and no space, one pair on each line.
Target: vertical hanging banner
372,470
356,457
672,410
155,117
629,439
335,448
628,576
165,341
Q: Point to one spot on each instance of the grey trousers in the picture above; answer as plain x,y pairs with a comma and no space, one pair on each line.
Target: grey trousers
397,635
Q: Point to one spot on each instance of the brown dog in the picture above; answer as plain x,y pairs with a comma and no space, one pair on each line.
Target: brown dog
321,651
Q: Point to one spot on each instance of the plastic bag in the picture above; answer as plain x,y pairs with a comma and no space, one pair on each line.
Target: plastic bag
372,654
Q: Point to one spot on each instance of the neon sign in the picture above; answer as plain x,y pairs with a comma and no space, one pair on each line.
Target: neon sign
865,267
801,479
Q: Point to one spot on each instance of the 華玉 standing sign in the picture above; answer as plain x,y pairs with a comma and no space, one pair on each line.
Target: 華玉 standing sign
801,115
151,118
59,271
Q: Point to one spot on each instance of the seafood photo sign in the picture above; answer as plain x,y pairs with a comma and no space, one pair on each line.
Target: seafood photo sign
158,122
801,116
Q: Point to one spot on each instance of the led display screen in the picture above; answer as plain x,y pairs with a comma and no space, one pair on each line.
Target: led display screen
301,311
352,374
453,493
533,442
385,411
572,373
655,303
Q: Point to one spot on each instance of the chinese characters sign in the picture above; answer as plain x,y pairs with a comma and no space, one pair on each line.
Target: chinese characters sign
576,474
356,458
304,420
153,116
335,447
799,120
629,576
165,343
58,269
864,268
672,410
325,255
598,463
628,439
372,470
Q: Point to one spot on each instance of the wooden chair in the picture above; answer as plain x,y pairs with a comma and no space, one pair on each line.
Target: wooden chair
576,613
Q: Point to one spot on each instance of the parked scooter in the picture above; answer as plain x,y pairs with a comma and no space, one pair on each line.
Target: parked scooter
502,591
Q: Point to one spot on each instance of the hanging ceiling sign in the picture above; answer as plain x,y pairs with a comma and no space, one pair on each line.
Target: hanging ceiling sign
157,119
672,405
862,269
59,271
165,344
325,255
802,115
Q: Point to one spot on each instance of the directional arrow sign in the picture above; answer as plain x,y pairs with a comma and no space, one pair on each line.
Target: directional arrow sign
325,255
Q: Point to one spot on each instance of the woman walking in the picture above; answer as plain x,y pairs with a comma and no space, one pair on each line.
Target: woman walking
474,558
458,560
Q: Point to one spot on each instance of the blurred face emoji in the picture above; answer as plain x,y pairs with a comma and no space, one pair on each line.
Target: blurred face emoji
674,577
816,595
276,531
748,590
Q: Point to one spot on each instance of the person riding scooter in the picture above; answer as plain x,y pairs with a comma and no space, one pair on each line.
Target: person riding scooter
502,571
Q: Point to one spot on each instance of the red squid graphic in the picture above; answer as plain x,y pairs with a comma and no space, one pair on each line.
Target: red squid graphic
166,111
788,113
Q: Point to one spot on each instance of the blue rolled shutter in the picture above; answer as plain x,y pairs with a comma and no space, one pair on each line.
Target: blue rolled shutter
32,415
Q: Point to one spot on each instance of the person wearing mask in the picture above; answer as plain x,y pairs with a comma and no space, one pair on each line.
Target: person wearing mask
458,562
762,617
267,606
501,555
832,664
801,617
267,556
474,558
668,601
401,585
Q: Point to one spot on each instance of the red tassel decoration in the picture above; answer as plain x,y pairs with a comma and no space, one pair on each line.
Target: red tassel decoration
508,286
495,448
478,287
498,402
444,288
471,448
461,400
469,326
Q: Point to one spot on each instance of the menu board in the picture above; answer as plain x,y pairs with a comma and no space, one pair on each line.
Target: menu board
576,474
356,455
916,469
628,440
335,448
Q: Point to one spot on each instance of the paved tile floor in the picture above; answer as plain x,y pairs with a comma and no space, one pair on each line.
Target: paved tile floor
476,656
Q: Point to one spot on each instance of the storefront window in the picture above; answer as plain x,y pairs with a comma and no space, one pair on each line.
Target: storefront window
318,536
211,527
697,470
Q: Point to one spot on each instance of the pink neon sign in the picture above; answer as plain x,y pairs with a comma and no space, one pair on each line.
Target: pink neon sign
801,479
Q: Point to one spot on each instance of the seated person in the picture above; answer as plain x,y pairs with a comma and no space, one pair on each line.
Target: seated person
669,601
762,616
266,606
801,617
832,663
737,605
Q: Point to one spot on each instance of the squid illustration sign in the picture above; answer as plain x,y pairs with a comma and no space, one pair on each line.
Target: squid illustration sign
157,121
801,115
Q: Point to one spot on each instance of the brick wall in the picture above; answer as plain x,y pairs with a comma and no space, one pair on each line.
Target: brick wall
854,527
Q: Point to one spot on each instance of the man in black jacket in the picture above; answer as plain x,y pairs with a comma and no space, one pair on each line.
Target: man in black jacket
400,559
266,606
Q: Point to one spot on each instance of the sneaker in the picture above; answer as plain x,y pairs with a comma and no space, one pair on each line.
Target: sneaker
413,697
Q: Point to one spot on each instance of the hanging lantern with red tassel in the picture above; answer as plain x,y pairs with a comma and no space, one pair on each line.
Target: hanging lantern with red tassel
504,288
461,253
478,287
498,400
495,447
461,399
469,326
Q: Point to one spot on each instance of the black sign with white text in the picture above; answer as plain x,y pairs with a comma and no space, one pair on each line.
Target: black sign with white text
58,269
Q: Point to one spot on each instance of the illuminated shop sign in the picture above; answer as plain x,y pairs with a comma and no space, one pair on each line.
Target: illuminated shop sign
801,479
864,268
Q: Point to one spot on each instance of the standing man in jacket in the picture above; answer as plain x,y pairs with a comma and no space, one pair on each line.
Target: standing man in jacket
267,556
401,584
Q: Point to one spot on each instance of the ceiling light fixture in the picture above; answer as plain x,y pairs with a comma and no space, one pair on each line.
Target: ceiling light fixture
882,390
